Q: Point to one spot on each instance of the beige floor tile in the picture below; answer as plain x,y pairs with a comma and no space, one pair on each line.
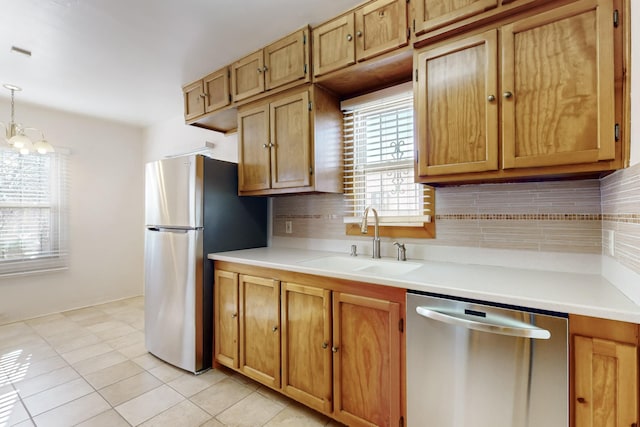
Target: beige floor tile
110,418
94,364
184,414
57,327
189,384
83,313
44,319
14,329
25,423
298,416
56,396
87,352
274,395
220,396
113,374
43,382
32,370
73,412
20,342
17,363
11,409
124,390
213,423
136,337
91,321
139,325
166,372
58,339
148,361
149,404
131,315
115,332
76,342
133,351
254,410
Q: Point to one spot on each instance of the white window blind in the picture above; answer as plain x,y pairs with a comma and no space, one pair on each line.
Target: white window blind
33,212
379,161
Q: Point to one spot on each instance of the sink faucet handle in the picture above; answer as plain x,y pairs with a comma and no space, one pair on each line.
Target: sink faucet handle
402,251
354,250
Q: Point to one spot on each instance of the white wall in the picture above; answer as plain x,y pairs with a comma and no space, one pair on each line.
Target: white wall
106,217
173,137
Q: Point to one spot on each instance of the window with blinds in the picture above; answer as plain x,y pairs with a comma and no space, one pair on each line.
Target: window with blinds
33,212
378,162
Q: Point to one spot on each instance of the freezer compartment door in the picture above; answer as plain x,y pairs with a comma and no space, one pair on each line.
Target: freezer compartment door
173,192
173,296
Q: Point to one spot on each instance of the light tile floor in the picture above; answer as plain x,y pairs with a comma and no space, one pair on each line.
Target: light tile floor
89,367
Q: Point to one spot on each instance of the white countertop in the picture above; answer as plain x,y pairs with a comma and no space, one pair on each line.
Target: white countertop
586,294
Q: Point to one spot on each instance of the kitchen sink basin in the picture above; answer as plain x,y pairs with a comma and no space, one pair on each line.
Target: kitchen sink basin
361,265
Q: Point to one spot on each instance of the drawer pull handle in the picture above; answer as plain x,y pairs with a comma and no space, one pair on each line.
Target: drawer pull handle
325,345
334,349
507,95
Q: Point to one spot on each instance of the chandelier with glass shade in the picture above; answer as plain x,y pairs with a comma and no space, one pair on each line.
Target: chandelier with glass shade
16,134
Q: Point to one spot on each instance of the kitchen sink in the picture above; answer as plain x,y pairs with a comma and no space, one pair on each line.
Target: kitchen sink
361,265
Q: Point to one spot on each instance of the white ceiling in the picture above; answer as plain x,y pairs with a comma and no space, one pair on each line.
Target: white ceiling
127,60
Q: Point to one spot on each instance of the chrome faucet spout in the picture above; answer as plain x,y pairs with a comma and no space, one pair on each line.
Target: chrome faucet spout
376,235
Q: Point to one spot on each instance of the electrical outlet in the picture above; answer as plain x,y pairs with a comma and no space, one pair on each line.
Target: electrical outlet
288,227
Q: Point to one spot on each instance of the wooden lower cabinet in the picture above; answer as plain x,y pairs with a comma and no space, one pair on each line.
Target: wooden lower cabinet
604,368
337,348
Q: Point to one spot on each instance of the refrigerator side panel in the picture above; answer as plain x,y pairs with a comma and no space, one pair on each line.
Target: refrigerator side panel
173,269
173,192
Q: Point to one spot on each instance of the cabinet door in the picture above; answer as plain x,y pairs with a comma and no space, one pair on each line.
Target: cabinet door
380,27
225,318
334,45
366,348
260,329
558,87
432,14
457,107
253,149
287,60
290,136
193,100
606,383
216,90
306,345
247,76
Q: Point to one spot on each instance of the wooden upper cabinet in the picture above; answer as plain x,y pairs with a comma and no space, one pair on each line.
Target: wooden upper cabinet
226,306
260,329
277,152
558,87
206,95
306,345
370,30
366,360
283,62
457,110
432,14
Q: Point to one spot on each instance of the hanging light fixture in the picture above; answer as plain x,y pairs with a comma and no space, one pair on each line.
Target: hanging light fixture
15,135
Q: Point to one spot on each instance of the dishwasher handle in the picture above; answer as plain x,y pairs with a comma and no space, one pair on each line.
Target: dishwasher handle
498,325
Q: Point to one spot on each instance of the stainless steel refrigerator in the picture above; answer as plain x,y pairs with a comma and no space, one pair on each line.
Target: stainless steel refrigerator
192,208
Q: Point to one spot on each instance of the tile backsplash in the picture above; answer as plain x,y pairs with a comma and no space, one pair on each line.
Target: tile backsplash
572,216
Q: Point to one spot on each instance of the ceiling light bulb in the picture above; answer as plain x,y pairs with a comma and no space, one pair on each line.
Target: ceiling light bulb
24,151
21,141
43,147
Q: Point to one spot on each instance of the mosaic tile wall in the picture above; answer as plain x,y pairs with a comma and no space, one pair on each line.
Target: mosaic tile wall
546,216
621,215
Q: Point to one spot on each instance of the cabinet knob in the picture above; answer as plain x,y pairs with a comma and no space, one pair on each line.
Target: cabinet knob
265,69
203,95
325,345
334,349
582,400
349,37
507,95
275,328
491,98
234,315
259,70
359,33
265,145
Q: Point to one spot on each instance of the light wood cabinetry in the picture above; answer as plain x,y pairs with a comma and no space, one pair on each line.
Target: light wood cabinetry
366,338
372,30
549,108
604,368
340,344
225,312
290,143
206,95
278,64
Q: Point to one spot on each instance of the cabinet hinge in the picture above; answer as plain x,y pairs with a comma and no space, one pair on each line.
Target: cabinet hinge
401,325
616,18
310,105
230,98
305,68
414,25
310,170
408,33
304,38
617,131
416,74
229,73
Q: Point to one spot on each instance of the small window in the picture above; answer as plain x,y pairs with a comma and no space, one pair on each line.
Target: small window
33,212
379,162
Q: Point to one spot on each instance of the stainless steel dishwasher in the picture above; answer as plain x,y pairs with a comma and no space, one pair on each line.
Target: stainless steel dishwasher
477,364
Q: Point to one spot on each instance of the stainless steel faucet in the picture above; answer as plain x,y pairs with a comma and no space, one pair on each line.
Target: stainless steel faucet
376,235
402,251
